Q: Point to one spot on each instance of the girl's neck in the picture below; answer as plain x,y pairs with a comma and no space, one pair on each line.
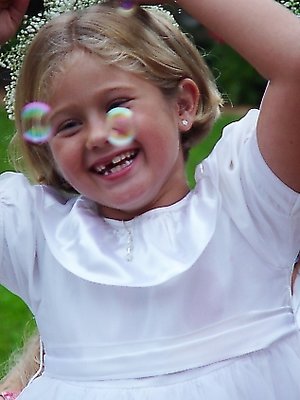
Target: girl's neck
127,215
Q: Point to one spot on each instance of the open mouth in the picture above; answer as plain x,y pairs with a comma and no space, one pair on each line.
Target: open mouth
117,164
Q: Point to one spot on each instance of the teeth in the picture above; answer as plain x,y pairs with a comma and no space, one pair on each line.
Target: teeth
126,157
118,168
116,160
100,169
122,157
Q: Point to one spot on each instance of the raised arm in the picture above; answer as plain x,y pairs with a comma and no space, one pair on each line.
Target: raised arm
11,15
268,36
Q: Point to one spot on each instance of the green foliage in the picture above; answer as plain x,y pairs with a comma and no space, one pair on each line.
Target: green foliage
6,132
238,81
16,322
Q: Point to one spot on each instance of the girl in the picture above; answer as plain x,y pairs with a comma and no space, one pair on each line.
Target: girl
118,260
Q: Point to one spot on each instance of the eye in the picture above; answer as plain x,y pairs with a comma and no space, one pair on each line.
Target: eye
119,103
68,128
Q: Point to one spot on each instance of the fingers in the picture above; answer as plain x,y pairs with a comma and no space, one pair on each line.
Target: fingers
14,6
11,15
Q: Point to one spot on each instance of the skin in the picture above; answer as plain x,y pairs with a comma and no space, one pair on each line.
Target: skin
155,176
11,15
295,274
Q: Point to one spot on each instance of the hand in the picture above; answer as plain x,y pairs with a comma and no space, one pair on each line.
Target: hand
11,15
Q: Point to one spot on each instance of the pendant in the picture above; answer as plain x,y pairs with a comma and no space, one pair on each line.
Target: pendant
129,249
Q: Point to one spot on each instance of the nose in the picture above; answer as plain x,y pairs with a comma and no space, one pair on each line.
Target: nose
97,133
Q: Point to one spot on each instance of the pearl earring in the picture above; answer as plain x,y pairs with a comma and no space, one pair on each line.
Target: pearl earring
185,122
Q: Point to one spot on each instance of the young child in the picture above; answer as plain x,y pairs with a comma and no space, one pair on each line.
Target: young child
118,260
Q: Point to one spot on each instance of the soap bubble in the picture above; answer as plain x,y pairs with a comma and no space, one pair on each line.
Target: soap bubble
120,126
127,7
35,127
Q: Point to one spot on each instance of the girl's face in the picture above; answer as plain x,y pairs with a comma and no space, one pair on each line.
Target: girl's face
150,170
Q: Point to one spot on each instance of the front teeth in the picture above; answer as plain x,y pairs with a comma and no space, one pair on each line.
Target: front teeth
106,170
122,157
118,167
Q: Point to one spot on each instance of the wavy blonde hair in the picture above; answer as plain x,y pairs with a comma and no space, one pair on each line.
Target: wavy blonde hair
148,44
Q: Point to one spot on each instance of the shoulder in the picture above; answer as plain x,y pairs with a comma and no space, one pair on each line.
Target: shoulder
23,204
15,188
12,180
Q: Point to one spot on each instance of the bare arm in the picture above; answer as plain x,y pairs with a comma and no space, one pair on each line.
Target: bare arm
11,15
267,36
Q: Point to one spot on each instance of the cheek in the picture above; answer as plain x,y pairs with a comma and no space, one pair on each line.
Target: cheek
56,153
64,156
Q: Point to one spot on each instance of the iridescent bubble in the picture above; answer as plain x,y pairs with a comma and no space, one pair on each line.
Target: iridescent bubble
35,127
120,124
127,7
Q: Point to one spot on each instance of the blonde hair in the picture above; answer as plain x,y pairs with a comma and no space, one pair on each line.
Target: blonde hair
148,44
22,366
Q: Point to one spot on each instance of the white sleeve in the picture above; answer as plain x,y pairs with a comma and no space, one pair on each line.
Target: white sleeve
263,208
17,233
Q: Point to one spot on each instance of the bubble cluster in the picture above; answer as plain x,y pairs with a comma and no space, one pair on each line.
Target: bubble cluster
120,126
127,7
35,127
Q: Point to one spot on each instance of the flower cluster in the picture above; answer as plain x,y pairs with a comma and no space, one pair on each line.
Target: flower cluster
293,5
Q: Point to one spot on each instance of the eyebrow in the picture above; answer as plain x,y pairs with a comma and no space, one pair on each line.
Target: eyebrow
103,93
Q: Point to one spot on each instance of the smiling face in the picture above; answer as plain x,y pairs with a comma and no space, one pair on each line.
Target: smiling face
124,181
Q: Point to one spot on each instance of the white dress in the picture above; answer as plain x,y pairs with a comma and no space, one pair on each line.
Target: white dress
200,310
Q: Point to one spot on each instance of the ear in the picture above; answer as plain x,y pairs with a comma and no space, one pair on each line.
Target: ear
188,98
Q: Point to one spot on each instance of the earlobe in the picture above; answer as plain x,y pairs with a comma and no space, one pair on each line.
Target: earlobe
188,98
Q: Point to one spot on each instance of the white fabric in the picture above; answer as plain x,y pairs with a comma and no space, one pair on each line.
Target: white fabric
296,294
203,310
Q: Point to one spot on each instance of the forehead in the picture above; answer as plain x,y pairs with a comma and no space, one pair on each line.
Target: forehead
83,65
85,76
